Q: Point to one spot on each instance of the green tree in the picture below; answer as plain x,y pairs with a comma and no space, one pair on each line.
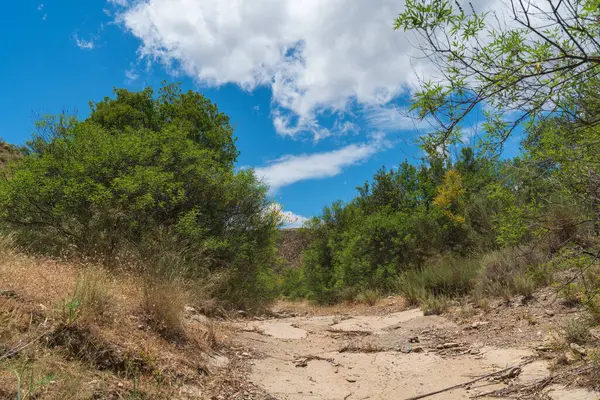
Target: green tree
536,63
153,175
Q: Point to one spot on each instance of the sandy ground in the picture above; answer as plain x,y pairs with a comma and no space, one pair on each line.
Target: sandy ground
394,356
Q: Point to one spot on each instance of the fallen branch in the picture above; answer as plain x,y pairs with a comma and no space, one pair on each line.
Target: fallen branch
537,385
493,374
303,361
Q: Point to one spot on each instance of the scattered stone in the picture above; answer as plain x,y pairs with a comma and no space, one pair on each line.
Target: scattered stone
450,345
190,309
578,349
569,358
477,324
201,319
413,340
219,361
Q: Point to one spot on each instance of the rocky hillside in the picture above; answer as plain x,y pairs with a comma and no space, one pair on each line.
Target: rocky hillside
8,152
291,244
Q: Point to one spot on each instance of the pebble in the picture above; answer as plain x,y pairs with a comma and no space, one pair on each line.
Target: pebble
578,349
450,345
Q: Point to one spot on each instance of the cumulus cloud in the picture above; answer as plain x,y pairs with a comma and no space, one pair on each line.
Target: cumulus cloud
122,3
84,44
295,168
316,56
288,218
131,75
394,118
291,220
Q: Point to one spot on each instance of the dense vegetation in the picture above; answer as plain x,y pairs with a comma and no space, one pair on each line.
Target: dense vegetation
466,220
149,181
451,226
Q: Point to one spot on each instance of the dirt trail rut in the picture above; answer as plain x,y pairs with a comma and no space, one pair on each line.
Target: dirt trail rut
395,356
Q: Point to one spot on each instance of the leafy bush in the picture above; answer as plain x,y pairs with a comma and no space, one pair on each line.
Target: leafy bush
396,224
148,176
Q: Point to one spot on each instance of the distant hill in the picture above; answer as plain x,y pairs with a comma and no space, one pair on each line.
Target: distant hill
290,246
9,152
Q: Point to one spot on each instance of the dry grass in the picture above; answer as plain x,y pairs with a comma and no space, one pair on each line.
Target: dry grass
369,297
435,305
361,347
382,306
577,330
163,305
107,350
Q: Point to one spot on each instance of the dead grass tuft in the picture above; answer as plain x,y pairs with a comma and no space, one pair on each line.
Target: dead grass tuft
84,344
163,305
577,330
361,347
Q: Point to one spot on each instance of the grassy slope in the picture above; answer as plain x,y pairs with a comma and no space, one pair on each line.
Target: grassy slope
96,335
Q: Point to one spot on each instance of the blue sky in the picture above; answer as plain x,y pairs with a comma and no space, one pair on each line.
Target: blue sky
317,91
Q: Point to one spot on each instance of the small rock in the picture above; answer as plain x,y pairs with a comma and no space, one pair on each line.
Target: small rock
190,309
351,380
450,345
405,350
242,313
578,349
413,340
474,351
202,319
478,324
570,358
245,354
543,348
549,313
418,349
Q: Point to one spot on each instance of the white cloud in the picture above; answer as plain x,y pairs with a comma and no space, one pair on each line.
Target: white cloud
122,3
394,118
40,7
84,44
291,169
292,220
131,75
316,56
288,218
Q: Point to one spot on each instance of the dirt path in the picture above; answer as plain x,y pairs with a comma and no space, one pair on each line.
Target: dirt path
394,356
